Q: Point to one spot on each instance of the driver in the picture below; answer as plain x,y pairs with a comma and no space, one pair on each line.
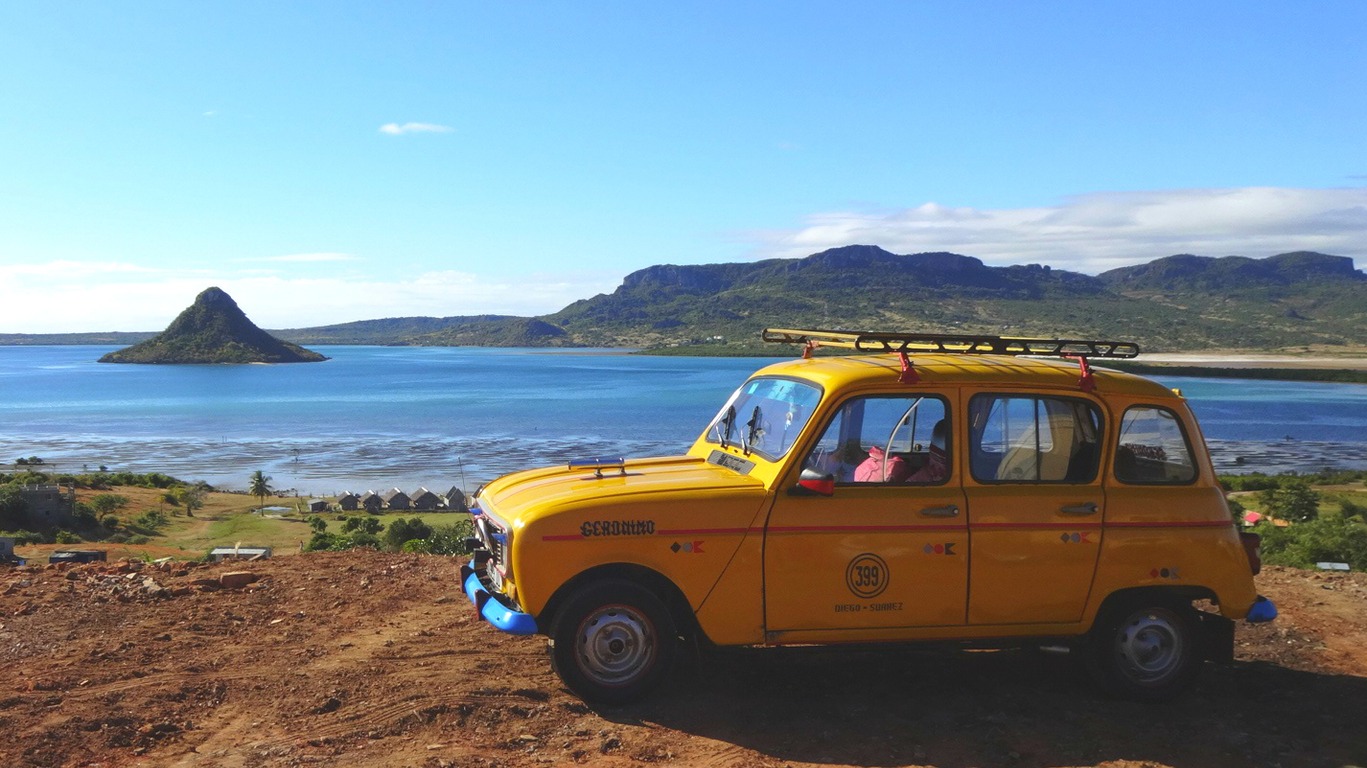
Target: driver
936,468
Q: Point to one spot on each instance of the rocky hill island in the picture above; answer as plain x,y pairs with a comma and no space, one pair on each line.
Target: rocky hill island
213,330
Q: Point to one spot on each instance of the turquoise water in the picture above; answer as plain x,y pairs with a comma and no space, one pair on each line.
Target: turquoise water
378,417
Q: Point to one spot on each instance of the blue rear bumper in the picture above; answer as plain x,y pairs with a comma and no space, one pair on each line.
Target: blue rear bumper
1262,611
491,608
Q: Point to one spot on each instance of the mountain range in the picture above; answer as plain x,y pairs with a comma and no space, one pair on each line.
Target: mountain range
1292,301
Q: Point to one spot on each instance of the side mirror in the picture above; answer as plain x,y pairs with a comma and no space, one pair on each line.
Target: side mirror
813,483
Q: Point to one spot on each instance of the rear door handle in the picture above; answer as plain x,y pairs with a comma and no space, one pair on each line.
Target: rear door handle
949,511
1087,508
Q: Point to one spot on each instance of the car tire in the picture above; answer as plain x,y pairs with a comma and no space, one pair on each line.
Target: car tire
613,642
1146,650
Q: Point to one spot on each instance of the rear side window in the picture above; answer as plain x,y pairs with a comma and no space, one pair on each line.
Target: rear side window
1153,448
1027,439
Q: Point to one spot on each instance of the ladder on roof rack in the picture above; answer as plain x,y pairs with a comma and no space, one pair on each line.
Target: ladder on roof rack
952,344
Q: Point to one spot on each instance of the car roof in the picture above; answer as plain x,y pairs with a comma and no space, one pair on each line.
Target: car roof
988,371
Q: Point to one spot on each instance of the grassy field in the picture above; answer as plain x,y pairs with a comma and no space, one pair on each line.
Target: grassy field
227,519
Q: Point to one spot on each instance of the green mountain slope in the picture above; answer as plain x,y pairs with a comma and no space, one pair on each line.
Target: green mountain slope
213,330
1176,303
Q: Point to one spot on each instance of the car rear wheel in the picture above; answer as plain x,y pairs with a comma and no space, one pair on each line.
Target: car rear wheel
613,642
1148,650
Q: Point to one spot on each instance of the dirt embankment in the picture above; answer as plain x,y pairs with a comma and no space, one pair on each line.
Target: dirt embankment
366,659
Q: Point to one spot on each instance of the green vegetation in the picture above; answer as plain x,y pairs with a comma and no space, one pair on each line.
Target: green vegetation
1332,538
213,330
436,533
1325,512
93,518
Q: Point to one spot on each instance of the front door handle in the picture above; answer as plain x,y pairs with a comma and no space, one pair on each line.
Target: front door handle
949,511
1086,508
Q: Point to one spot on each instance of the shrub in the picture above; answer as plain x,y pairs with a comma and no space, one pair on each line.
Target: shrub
401,531
322,541
23,537
67,537
450,539
1292,501
368,525
105,503
1332,538
151,519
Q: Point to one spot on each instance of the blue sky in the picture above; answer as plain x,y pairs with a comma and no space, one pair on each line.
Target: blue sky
335,161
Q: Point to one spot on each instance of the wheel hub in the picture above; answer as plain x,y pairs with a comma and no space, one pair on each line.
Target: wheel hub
1151,645
615,644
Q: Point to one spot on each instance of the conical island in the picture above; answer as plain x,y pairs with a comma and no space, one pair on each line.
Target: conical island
213,330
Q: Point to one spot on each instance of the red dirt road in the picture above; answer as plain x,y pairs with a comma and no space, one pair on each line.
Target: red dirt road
368,659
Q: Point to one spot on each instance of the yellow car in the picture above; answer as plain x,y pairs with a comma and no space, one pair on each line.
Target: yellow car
935,488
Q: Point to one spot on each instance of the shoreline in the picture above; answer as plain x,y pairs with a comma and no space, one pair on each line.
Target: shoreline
1246,361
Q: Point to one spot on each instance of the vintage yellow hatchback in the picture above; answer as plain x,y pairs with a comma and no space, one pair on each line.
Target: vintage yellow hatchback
982,490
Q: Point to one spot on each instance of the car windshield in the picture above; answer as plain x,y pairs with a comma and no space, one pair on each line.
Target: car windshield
765,416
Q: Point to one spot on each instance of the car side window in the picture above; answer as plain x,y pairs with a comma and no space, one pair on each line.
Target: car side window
1153,448
888,440
1028,439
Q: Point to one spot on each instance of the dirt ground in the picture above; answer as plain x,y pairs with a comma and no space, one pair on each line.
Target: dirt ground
369,659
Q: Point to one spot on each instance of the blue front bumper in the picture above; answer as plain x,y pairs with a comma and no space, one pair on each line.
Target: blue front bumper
491,608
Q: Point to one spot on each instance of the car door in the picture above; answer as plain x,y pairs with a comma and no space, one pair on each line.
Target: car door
888,547
1036,506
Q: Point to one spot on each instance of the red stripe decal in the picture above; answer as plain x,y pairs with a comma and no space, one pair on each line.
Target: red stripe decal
865,528
1071,526
1174,524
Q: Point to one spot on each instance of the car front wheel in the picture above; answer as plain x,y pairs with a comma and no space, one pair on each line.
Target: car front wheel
613,642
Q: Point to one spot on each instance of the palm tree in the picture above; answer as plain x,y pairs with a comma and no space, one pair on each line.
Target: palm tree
259,486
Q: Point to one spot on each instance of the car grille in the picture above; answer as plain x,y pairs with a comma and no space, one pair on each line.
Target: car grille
496,540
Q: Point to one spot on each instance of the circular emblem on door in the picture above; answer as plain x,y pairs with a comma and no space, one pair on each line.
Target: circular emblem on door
867,575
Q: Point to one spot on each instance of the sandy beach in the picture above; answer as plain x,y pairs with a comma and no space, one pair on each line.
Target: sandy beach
1212,360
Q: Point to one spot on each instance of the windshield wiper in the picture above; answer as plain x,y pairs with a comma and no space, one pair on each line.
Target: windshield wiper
755,433
727,421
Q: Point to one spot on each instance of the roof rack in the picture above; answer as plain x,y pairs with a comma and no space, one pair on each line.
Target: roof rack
956,344
952,344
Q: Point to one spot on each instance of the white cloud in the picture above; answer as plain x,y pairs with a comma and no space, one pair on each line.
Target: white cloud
1095,232
399,129
308,257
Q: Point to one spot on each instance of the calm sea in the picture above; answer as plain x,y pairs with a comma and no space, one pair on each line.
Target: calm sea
409,417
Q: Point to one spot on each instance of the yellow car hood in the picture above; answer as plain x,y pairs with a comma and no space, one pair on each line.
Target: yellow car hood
521,497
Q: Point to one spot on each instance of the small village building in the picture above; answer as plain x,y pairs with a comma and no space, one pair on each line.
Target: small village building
49,506
396,499
219,554
319,505
455,500
372,502
425,500
348,502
